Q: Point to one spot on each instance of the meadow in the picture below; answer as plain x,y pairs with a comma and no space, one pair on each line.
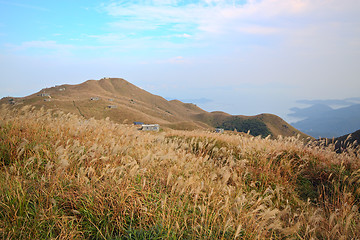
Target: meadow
66,177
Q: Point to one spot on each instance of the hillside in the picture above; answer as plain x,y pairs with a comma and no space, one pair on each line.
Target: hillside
66,177
130,103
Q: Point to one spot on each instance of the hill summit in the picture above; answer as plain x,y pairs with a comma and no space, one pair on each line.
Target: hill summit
123,102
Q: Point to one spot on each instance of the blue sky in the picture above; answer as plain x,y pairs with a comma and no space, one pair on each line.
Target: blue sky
242,56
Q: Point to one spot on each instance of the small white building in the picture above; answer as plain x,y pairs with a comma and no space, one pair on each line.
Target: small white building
150,127
219,130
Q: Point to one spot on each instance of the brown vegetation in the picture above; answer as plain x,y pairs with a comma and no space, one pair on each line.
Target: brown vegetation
63,176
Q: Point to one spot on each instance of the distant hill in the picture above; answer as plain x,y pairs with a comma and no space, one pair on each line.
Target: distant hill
124,102
325,122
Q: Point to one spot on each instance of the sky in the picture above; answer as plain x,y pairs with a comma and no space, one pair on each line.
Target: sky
244,57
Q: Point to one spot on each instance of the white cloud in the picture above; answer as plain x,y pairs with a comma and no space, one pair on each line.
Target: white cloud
110,38
178,59
42,45
219,16
183,35
208,15
52,48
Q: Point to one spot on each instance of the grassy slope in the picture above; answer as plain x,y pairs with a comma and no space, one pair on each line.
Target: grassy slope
65,177
135,104
278,126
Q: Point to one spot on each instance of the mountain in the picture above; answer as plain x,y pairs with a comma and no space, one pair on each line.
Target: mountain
322,121
124,102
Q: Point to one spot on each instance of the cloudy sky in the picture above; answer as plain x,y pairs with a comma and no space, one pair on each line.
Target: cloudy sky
239,56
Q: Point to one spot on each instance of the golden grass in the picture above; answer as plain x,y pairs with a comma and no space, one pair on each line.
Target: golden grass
65,177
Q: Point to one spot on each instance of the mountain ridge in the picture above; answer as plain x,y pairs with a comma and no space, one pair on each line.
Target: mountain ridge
124,102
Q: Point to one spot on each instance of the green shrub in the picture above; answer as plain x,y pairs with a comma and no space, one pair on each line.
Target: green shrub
256,127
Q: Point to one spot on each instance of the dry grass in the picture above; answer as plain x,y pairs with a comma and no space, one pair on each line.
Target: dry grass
65,177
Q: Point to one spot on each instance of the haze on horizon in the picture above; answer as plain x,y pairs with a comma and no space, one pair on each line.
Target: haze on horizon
239,56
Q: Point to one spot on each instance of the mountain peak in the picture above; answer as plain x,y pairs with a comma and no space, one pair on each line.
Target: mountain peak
122,101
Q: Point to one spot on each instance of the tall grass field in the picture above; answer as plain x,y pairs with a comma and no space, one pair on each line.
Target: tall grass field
66,177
